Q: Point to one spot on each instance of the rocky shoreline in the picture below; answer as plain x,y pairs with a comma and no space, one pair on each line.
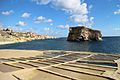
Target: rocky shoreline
8,36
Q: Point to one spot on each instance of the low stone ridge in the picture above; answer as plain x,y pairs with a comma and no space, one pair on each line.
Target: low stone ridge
8,35
81,33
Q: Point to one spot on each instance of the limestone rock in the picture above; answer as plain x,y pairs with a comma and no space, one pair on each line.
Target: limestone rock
81,33
8,35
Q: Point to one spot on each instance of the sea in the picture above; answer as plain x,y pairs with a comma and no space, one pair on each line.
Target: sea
109,45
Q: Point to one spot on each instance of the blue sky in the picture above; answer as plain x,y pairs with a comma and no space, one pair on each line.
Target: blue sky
54,17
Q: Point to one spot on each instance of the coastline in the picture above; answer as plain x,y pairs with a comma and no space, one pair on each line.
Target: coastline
12,53
12,42
4,43
8,36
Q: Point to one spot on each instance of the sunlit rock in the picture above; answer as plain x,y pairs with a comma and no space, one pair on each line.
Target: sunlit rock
81,33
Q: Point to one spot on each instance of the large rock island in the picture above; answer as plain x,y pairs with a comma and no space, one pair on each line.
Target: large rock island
81,33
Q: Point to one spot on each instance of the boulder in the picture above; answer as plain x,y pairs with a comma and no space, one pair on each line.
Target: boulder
81,33
118,64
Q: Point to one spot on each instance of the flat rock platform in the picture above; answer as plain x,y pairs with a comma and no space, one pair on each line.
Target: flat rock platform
57,65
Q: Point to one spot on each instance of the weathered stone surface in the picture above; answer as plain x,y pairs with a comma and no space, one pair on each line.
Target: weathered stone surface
81,33
118,64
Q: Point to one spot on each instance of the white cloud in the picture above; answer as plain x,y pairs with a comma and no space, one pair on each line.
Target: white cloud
49,20
117,11
41,19
42,2
91,22
46,29
90,7
1,25
117,29
51,24
118,6
79,18
7,12
64,26
77,9
20,23
26,15
71,6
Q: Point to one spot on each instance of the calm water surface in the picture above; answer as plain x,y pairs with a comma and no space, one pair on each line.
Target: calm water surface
108,45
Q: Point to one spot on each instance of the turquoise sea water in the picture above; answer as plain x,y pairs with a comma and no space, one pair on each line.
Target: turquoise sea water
108,45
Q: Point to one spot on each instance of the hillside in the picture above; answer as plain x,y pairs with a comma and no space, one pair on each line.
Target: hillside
8,35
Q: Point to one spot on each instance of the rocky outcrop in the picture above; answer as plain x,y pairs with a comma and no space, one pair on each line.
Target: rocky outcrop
8,35
81,33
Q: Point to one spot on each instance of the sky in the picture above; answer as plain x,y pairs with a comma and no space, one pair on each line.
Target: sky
54,17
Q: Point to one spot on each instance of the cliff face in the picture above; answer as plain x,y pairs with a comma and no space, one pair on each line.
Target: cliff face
82,33
8,35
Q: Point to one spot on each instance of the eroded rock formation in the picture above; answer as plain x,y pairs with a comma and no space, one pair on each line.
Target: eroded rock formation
81,33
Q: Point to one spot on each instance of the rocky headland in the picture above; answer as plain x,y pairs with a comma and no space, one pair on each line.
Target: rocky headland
81,33
9,36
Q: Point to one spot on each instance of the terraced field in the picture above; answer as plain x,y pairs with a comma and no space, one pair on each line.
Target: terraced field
60,65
